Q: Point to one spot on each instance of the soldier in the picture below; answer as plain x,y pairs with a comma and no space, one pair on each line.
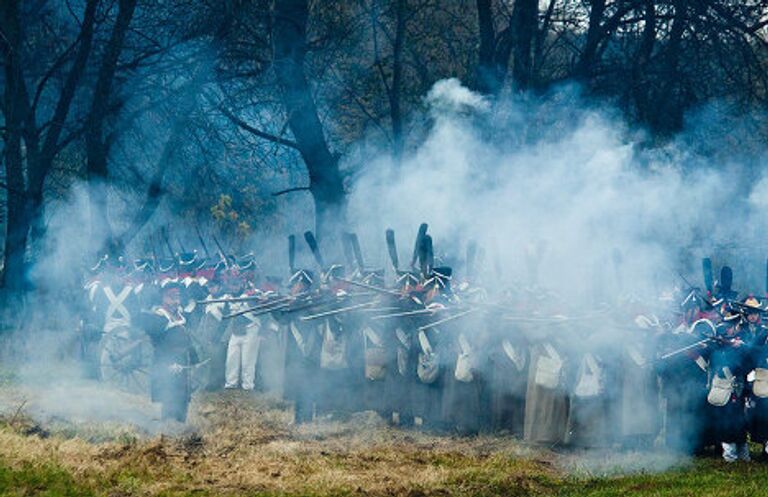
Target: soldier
375,349
341,354
638,392
117,298
464,382
91,326
683,378
546,400
402,385
173,354
210,332
243,346
728,369
302,355
508,363
270,366
756,336
590,388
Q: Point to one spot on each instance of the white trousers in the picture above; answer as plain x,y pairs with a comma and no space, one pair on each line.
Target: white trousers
242,353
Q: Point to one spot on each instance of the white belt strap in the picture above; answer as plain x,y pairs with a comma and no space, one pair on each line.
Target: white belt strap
117,306
424,342
552,353
373,337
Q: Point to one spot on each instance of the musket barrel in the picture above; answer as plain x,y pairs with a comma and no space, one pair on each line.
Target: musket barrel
336,311
417,312
369,287
684,349
449,318
257,311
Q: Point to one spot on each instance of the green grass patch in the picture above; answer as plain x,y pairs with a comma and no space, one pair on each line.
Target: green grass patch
704,478
44,480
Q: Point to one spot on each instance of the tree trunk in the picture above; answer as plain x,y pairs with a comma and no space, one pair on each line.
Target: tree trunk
38,169
494,51
325,181
670,106
525,19
640,84
17,225
489,82
585,65
397,77
96,147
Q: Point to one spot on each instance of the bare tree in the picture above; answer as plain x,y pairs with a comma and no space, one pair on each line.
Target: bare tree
40,142
290,48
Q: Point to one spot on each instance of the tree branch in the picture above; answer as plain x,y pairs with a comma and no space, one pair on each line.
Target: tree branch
256,132
289,190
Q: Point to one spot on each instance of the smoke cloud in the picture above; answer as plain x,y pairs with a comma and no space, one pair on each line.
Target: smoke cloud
557,173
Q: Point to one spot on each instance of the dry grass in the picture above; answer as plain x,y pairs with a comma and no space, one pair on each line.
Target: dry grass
237,444
246,444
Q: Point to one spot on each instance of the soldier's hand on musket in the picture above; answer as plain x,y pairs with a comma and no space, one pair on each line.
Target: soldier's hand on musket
176,368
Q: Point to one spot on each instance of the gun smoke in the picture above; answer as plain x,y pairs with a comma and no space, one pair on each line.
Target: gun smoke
558,193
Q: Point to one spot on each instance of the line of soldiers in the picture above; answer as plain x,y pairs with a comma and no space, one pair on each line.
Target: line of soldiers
429,350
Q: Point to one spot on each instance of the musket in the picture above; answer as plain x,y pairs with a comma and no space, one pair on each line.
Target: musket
309,237
417,312
258,310
449,318
685,349
292,253
710,302
266,307
417,245
284,306
243,299
202,242
154,252
167,242
326,299
222,254
356,251
385,291
337,311
392,249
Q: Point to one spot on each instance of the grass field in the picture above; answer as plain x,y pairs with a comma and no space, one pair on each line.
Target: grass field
244,445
